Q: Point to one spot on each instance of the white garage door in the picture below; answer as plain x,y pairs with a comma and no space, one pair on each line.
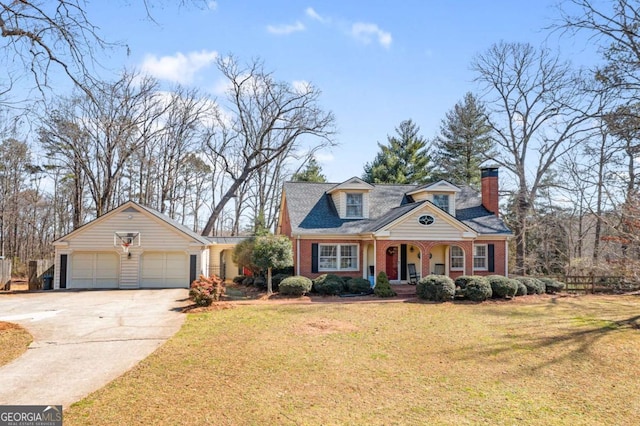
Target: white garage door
94,270
164,270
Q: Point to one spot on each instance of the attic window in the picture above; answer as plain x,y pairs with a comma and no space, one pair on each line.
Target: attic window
426,219
442,201
354,205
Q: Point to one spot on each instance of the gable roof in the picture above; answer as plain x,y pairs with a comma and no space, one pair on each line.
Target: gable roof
311,209
132,204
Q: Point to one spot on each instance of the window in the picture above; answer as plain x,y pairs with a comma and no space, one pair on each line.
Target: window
426,219
338,257
442,201
457,258
480,257
354,205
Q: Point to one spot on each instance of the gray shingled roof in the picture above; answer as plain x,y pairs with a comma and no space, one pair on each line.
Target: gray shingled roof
311,209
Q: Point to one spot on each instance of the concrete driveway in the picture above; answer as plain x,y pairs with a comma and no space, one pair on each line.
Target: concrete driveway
83,340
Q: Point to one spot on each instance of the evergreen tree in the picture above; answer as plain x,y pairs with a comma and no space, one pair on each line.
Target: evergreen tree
464,142
403,160
312,173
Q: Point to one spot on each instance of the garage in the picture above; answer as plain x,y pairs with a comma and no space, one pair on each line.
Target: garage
164,270
94,270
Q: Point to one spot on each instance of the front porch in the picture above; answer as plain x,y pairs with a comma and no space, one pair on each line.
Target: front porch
405,262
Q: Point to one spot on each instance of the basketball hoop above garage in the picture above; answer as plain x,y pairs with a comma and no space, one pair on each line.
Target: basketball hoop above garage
132,246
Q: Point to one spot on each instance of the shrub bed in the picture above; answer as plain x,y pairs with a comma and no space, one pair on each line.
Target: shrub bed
502,287
522,289
533,285
438,288
328,285
295,286
552,286
358,286
477,288
383,287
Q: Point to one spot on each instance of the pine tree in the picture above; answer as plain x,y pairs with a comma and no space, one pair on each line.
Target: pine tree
312,173
403,160
464,142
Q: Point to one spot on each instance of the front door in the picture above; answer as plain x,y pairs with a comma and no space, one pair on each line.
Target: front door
392,263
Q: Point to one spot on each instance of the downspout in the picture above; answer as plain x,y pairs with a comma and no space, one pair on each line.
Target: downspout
297,254
375,259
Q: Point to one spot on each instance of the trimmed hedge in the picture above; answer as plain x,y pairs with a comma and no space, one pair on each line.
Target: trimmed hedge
522,289
533,285
238,279
358,285
502,287
277,279
477,288
260,282
295,286
383,287
463,280
328,285
552,286
438,288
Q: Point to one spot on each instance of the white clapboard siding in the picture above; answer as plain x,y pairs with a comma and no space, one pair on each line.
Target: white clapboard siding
153,233
129,268
411,229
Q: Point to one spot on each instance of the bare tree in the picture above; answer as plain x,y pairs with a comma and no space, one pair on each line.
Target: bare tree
537,112
101,133
263,119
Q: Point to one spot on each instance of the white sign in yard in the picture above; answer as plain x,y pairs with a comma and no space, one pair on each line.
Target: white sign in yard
33,316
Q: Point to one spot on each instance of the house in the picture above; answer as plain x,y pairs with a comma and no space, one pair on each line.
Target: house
133,246
358,229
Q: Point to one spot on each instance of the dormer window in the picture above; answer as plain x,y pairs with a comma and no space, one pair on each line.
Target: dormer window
442,201
354,204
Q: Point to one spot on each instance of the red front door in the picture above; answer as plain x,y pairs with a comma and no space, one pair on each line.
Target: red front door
392,263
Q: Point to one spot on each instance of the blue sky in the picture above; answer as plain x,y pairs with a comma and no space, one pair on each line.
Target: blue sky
376,62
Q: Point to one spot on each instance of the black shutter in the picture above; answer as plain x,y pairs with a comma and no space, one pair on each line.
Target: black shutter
491,258
314,257
193,259
63,271
403,261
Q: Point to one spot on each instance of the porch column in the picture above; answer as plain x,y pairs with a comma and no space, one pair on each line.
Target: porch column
467,246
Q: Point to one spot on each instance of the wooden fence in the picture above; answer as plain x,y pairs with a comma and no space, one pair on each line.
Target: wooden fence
592,283
5,274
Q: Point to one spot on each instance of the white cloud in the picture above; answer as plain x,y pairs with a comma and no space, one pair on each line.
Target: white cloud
286,29
311,13
366,32
212,5
179,68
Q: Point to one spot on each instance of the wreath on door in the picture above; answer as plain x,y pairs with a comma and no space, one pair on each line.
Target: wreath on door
391,251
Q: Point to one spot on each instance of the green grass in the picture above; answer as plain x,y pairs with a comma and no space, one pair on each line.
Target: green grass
543,360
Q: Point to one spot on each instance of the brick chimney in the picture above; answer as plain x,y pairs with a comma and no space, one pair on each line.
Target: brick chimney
490,188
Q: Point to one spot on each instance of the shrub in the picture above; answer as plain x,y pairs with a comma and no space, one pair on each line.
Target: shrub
277,279
383,288
248,281
295,286
522,289
552,286
478,289
238,279
462,280
358,285
438,288
260,282
502,287
345,281
206,290
533,285
328,284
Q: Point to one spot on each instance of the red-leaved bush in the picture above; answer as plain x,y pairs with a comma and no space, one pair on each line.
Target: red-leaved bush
206,290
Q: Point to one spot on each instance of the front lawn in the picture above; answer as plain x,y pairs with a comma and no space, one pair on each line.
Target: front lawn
535,360
14,341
